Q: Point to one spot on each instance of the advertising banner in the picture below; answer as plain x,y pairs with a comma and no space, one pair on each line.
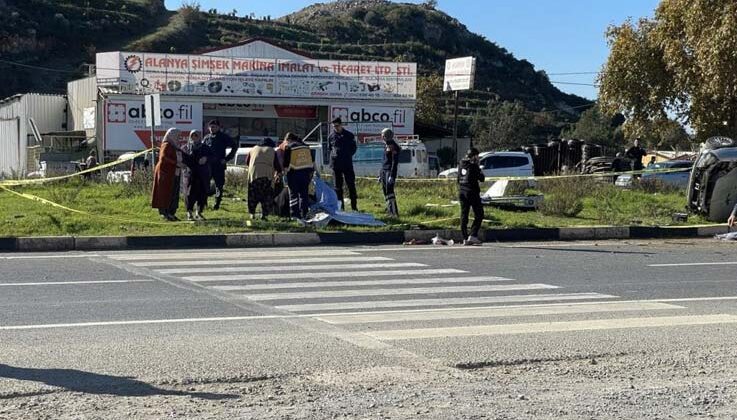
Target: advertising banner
370,120
459,74
125,122
256,77
260,111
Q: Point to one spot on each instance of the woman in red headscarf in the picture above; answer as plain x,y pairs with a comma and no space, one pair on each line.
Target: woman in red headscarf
165,192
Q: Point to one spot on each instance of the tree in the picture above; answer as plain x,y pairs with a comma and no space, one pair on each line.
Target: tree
502,125
595,127
682,62
429,97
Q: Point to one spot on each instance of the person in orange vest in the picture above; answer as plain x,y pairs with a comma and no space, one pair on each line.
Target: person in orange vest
299,167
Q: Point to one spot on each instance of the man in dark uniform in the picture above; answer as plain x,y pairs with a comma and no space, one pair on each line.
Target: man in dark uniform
389,167
469,195
342,145
635,154
219,142
299,167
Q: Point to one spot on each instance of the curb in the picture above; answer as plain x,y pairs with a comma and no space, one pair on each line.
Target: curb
261,240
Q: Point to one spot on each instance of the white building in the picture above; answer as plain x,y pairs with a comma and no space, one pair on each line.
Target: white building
48,113
255,89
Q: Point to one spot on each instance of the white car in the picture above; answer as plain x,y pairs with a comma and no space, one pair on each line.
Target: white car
496,164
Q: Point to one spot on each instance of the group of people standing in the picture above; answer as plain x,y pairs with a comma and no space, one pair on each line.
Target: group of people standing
190,168
270,167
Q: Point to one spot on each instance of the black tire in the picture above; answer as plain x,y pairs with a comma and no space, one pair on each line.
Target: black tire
719,142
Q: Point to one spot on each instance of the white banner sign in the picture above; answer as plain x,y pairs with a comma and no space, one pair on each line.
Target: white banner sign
459,74
370,120
256,77
125,122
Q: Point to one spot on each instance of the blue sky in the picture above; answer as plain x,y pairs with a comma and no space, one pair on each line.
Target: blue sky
558,36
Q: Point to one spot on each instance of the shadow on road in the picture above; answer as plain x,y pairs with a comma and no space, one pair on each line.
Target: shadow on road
95,383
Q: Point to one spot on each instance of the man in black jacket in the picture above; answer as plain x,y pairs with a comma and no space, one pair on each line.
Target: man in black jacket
469,194
219,142
635,154
389,168
342,144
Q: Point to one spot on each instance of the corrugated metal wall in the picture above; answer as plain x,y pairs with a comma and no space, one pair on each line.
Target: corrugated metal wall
48,111
81,94
9,146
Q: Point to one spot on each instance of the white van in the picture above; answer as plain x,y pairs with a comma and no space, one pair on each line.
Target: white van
414,161
239,165
495,164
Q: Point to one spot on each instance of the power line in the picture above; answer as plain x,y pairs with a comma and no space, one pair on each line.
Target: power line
28,66
572,73
573,83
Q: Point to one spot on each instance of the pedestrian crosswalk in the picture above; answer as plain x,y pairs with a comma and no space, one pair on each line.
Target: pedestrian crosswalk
390,298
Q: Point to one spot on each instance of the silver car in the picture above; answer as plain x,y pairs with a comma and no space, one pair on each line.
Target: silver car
712,188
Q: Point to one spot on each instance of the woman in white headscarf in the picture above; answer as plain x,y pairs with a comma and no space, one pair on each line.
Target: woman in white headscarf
165,192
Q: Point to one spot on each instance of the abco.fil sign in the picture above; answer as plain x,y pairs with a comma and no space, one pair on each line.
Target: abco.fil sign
125,122
370,120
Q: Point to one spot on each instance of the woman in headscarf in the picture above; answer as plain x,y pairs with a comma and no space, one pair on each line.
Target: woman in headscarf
196,177
165,192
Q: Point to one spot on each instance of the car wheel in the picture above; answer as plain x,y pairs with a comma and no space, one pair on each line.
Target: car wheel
719,142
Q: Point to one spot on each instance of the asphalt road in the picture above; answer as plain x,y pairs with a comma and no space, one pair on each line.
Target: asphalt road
304,333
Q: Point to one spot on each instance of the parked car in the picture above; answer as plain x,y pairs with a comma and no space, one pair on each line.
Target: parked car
496,164
122,172
675,179
712,187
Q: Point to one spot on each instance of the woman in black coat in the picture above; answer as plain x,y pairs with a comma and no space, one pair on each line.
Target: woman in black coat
196,179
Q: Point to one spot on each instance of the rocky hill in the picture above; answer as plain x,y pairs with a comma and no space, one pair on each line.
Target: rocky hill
62,35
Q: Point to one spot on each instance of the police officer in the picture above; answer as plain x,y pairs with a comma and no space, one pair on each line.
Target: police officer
388,174
469,195
219,142
299,167
342,144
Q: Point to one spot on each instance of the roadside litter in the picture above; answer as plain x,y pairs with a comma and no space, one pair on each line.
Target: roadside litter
437,240
731,236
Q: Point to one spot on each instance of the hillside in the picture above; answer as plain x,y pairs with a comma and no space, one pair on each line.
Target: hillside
65,34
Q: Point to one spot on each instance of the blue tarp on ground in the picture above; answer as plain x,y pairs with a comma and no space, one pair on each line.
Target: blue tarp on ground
327,208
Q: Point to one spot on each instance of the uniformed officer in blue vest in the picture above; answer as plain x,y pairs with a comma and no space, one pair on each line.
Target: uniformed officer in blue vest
299,167
342,144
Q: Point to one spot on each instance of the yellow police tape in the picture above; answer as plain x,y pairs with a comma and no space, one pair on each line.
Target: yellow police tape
536,178
20,182
69,209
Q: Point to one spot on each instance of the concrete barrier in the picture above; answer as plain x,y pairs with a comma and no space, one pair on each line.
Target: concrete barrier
94,243
45,244
8,244
249,240
296,239
593,232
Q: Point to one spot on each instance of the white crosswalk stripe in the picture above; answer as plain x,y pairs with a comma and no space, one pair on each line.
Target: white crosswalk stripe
354,283
275,268
327,275
318,307
393,300
204,263
395,292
